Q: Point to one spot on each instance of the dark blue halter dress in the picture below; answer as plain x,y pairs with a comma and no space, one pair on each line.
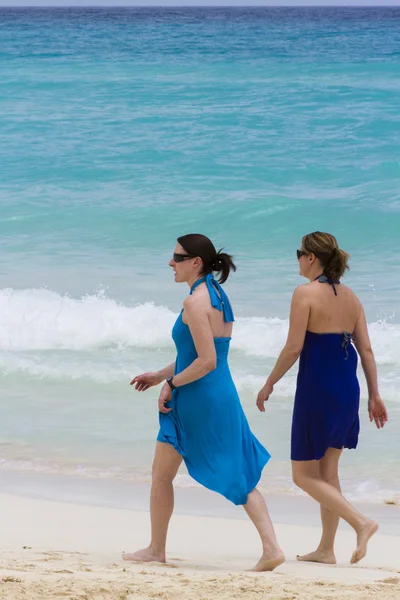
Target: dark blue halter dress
207,425
327,396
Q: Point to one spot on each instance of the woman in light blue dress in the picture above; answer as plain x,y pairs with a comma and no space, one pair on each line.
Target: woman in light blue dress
201,419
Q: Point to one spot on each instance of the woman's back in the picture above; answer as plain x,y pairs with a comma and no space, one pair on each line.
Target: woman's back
201,299
330,312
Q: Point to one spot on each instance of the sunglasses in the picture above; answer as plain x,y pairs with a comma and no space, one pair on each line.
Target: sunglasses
181,257
300,253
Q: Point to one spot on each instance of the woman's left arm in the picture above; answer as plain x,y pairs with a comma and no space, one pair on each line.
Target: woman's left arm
196,314
299,315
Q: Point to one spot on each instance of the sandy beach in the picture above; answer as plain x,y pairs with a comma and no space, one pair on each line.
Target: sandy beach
122,129
54,549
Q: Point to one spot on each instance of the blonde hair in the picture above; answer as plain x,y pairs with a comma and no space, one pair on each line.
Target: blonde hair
334,261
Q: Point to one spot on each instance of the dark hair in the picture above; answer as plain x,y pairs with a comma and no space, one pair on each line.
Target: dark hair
200,245
334,261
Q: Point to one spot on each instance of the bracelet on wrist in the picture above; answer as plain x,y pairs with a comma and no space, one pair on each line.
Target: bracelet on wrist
170,383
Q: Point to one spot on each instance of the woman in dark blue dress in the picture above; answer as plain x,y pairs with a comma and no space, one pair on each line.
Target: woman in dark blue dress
326,318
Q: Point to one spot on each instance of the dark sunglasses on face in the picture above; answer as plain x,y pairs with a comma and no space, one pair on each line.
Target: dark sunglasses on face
301,253
181,257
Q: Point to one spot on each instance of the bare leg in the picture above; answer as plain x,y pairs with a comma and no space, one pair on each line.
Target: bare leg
257,510
165,466
306,475
328,469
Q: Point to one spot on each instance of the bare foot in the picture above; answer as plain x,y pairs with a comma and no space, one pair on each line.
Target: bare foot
266,563
319,556
363,535
145,555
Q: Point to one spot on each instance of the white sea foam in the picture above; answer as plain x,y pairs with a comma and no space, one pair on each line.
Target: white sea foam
39,319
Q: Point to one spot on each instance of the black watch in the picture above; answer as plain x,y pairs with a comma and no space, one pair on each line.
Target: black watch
171,385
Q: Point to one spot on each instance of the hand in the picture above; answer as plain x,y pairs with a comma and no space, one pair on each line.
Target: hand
165,396
377,411
145,381
263,396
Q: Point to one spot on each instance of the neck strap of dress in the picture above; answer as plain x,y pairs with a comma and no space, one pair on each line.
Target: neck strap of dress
197,283
218,297
325,279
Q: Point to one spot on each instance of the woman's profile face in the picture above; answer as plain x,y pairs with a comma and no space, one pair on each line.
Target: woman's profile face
304,262
183,264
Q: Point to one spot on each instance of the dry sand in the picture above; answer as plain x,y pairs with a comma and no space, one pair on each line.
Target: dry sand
53,550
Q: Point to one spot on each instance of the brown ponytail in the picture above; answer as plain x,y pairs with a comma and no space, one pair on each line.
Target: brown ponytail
333,259
223,264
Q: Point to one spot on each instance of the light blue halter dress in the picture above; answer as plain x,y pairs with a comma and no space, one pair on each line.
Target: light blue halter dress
207,425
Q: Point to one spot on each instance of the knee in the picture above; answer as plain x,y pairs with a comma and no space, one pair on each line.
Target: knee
161,476
302,480
331,478
297,479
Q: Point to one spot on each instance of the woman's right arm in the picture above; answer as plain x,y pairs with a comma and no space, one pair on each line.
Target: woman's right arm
146,380
376,407
167,371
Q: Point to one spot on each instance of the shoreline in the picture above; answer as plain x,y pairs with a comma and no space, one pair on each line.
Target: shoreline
197,501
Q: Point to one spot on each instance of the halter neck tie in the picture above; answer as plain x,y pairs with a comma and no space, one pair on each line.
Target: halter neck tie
218,297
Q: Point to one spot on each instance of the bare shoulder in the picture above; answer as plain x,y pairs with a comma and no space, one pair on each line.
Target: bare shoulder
302,292
349,291
352,296
200,301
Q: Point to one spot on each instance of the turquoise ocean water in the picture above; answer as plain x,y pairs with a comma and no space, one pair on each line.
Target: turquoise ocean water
122,129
